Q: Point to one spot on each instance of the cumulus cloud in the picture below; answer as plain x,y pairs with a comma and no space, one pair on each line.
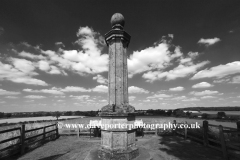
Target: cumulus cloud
155,57
134,89
179,88
202,85
180,71
21,71
80,97
235,79
179,98
219,71
132,98
4,92
190,99
159,96
203,93
207,97
208,42
35,97
49,91
100,89
100,79
11,97
74,89
31,56
60,44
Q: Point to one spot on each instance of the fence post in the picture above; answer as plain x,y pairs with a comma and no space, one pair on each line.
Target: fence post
44,135
185,130
78,128
223,143
205,133
238,129
156,131
57,134
22,139
175,130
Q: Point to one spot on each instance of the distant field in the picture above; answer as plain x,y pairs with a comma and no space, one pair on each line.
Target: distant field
155,119
24,119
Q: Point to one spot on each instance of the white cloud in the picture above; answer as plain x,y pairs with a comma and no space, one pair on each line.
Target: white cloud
4,92
209,41
179,98
59,44
44,65
23,65
160,96
156,57
180,71
28,80
179,88
100,79
21,74
29,101
132,98
202,85
59,96
207,97
31,56
2,102
74,89
11,97
103,100
202,93
236,79
49,91
54,70
219,71
80,97
100,89
190,99
155,60
147,100
134,89
35,97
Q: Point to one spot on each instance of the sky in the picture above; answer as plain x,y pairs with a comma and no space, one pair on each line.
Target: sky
182,53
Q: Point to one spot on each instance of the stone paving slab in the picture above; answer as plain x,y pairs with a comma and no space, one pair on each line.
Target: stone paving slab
159,148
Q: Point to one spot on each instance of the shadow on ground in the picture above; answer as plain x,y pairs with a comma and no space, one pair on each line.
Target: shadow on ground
52,157
176,148
186,149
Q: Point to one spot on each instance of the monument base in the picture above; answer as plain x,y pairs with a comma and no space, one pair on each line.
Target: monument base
143,155
129,154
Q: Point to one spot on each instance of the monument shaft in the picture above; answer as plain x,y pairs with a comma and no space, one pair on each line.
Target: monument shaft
117,76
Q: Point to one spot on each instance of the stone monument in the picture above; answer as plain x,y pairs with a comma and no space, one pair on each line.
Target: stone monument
118,139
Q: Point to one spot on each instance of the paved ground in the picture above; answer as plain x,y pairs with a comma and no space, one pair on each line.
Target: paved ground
164,148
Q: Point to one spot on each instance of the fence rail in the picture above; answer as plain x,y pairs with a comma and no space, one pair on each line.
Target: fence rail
23,141
220,143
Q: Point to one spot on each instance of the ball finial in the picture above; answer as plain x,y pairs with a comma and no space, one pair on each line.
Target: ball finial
117,18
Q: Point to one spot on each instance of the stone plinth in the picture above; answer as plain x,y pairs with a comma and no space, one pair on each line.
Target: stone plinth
118,137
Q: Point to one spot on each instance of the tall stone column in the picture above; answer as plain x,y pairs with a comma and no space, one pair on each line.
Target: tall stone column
117,140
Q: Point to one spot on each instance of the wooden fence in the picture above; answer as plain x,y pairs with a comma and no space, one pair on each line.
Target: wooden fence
219,142
24,142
